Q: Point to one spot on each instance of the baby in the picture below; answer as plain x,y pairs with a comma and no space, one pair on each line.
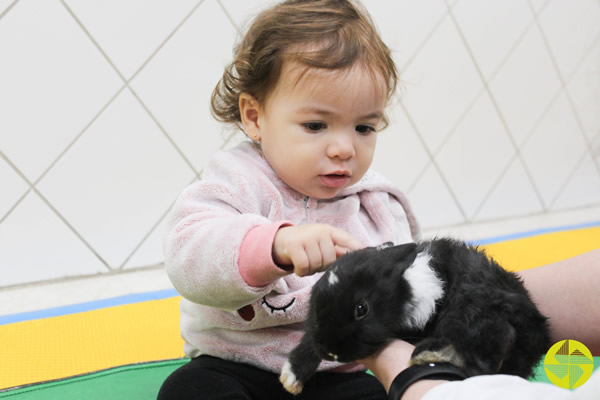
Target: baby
308,86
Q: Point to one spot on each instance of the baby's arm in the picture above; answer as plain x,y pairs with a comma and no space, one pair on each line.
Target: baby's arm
206,229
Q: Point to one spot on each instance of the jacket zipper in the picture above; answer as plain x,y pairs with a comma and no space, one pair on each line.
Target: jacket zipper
306,200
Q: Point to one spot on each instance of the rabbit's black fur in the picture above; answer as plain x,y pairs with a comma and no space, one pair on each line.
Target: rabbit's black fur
448,298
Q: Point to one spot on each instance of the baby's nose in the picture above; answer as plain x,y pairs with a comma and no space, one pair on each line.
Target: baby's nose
341,146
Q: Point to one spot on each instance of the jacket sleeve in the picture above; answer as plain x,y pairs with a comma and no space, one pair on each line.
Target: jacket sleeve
205,231
499,387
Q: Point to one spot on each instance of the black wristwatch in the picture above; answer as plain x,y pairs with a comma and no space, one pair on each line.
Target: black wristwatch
410,375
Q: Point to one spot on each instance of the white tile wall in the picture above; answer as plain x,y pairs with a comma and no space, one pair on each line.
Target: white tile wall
491,29
569,42
513,195
117,180
440,84
553,149
104,118
584,90
473,171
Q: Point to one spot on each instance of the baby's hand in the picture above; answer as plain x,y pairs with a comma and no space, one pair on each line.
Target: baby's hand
311,248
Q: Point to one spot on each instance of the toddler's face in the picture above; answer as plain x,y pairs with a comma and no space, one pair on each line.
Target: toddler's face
318,128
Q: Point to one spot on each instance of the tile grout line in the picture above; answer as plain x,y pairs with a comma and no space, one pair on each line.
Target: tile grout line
410,60
32,188
23,177
423,144
8,8
93,40
432,162
78,136
230,18
163,130
144,238
493,187
154,227
510,51
68,224
165,41
567,180
496,106
459,121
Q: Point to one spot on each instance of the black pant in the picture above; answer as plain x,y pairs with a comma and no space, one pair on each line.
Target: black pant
208,377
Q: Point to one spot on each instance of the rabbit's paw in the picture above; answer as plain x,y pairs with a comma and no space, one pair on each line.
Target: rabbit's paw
289,380
446,354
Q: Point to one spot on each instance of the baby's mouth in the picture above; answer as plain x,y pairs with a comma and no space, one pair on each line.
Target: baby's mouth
335,180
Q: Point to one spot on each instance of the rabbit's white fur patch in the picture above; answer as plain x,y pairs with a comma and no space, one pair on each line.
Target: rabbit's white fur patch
427,288
332,278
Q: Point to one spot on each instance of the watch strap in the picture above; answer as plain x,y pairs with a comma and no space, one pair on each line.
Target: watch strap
410,375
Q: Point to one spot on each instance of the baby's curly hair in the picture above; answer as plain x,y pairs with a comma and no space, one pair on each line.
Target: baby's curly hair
326,34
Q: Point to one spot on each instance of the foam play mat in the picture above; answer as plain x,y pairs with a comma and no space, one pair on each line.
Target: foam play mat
124,347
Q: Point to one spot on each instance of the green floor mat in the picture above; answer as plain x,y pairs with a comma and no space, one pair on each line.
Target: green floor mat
130,382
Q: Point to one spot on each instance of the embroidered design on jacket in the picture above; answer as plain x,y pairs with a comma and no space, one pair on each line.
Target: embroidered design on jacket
273,308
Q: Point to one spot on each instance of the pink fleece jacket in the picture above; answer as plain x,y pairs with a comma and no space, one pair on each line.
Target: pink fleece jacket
237,303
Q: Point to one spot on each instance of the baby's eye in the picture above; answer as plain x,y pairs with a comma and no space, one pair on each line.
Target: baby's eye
364,129
314,126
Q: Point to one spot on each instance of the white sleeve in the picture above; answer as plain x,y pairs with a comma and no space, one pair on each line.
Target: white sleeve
503,387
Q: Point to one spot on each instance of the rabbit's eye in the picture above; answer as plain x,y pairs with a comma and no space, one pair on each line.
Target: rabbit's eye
361,310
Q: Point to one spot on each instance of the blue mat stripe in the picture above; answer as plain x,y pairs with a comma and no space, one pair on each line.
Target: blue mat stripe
87,306
536,232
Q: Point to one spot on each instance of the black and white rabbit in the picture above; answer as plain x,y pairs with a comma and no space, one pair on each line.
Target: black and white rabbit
447,297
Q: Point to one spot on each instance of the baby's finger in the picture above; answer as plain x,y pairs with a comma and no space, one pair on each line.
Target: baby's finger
328,252
340,251
301,263
344,239
315,258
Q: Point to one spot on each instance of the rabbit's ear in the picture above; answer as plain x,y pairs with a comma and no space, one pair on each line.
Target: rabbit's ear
403,254
384,245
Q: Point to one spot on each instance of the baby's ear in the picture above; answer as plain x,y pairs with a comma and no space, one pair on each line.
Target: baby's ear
250,116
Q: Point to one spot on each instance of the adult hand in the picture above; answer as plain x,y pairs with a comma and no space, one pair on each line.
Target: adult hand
389,362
